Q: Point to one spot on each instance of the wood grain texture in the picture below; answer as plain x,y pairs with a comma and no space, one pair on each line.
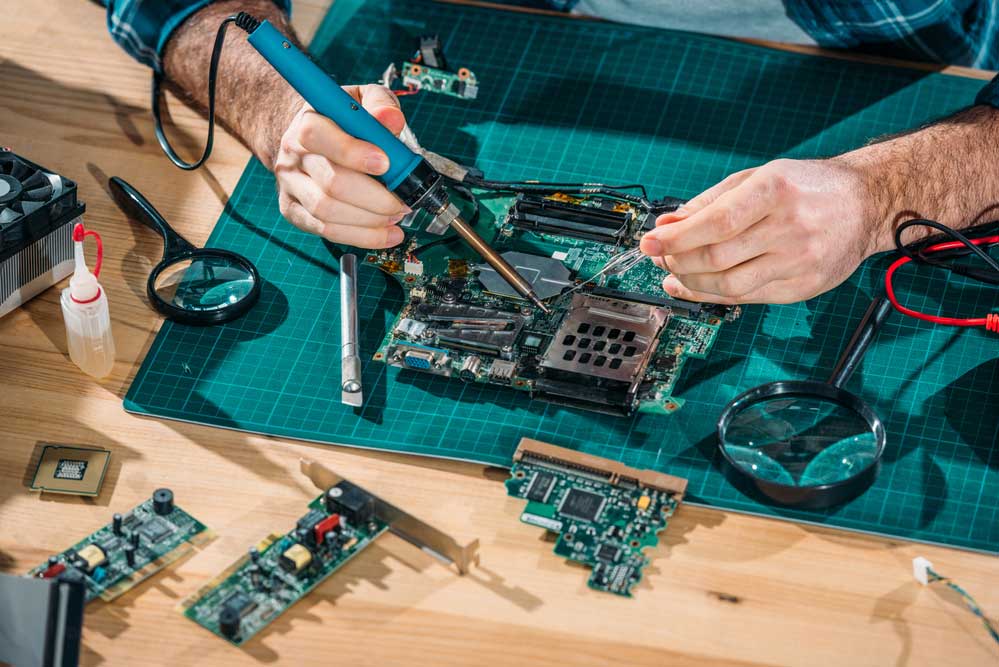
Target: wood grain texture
724,589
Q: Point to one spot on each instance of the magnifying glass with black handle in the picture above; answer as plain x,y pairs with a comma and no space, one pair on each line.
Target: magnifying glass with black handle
809,444
196,286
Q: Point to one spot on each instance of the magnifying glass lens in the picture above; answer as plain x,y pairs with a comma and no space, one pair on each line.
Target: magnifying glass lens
800,441
204,282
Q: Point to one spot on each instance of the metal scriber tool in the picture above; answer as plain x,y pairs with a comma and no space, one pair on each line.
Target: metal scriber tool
350,359
410,177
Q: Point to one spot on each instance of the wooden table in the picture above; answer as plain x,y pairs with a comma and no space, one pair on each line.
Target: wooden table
723,588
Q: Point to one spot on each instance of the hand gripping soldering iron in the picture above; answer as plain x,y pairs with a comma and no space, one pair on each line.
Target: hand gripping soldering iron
409,176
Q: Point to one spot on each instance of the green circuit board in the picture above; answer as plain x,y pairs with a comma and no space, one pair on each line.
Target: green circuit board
611,343
282,569
461,84
604,513
102,556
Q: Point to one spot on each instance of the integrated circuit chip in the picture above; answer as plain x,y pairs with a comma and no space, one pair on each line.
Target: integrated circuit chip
541,487
155,530
580,504
68,469
608,553
240,602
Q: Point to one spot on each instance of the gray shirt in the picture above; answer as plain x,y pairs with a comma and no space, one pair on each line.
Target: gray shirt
762,19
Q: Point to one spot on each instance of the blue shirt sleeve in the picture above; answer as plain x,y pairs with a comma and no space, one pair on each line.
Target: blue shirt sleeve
989,94
143,27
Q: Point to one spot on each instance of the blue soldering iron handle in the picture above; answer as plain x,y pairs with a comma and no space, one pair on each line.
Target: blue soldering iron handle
327,97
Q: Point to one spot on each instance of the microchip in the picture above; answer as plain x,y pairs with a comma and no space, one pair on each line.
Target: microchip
155,529
541,486
583,505
66,469
240,602
608,553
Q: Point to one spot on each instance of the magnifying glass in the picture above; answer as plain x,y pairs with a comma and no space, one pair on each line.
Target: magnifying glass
198,286
808,444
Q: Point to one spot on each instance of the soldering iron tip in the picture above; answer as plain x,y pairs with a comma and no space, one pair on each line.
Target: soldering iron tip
539,303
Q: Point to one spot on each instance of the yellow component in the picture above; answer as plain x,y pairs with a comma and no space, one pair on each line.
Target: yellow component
643,503
93,555
457,268
568,199
296,558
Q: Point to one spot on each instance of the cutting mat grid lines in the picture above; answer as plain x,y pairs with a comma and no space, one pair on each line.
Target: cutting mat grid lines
579,100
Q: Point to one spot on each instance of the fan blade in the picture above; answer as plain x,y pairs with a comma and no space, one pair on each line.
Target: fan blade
35,180
8,215
38,194
19,170
29,206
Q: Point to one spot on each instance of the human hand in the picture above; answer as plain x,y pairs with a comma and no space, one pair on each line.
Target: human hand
779,233
325,176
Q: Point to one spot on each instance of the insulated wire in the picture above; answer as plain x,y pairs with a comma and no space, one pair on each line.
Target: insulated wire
960,246
968,600
242,20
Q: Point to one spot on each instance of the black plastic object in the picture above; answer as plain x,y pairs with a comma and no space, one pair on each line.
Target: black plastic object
162,501
229,622
196,286
808,444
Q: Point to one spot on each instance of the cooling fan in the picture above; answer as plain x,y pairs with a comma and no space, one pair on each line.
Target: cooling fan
37,211
24,188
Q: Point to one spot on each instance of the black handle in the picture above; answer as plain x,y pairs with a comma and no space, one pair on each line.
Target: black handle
869,326
137,207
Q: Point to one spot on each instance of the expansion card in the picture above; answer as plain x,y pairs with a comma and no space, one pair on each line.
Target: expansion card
604,512
282,569
131,548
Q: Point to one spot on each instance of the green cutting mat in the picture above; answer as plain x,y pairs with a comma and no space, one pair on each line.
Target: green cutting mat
566,99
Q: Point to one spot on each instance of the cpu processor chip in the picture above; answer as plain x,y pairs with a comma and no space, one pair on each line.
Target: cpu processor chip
74,470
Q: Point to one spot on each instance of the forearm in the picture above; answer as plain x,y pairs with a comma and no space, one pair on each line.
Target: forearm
947,171
252,100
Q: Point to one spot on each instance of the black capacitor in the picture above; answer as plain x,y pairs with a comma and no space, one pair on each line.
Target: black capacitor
129,555
254,555
53,560
162,501
229,622
116,524
134,539
329,539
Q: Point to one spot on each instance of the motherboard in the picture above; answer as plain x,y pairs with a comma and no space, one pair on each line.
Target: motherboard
614,343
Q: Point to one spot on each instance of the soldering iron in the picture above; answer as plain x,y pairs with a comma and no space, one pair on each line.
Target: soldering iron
409,176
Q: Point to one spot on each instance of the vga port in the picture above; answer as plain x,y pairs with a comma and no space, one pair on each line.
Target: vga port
420,358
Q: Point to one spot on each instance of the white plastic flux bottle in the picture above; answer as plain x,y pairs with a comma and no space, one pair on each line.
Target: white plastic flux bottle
85,310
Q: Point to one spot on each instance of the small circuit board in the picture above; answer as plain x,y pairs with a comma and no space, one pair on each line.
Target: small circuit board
461,84
427,70
133,547
282,569
605,513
